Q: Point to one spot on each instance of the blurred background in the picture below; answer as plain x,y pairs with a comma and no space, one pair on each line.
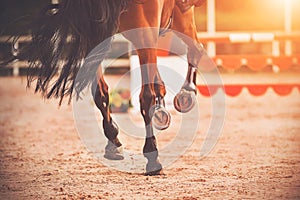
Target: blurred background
249,15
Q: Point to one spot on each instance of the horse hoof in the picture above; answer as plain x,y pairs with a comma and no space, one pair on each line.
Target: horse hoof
154,169
112,152
161,118
184,101
155,173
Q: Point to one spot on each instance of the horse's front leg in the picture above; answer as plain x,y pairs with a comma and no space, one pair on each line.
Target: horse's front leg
185,99
184,23
151,106
113,149
139,19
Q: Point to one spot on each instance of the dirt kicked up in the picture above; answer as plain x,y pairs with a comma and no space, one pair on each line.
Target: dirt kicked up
257,155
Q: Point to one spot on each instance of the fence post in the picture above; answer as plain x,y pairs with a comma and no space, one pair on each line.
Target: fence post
211,26
276,48
288,26
15,52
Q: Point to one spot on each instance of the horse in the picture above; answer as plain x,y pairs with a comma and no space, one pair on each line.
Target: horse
69,30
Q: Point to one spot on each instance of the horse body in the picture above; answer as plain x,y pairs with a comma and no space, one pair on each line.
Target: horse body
147,17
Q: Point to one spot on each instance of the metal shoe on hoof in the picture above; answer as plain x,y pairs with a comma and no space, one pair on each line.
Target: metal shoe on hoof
185,100
161,118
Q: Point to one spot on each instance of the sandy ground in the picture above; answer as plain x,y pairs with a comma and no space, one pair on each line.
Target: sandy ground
257,155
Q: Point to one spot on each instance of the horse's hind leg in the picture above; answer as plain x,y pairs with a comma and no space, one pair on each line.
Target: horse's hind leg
113,149
184,23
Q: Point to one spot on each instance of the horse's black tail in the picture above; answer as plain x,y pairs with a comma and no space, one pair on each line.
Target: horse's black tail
62,36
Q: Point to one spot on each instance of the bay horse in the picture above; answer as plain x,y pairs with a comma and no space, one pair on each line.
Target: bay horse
69,30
